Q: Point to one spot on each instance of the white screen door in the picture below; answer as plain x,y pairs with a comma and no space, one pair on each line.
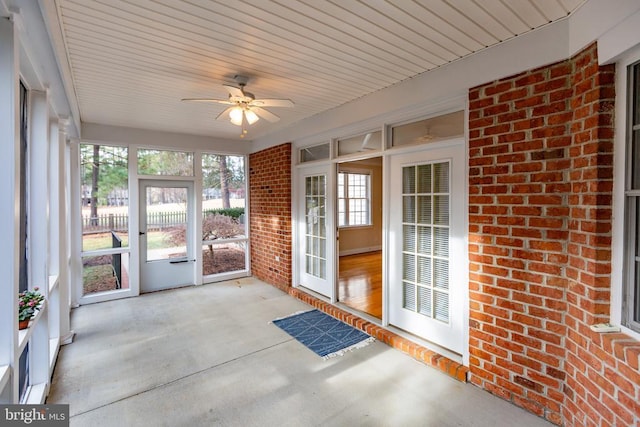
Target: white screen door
316,237
166,235
427,245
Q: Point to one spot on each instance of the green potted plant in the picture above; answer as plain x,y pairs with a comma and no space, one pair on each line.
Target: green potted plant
29,303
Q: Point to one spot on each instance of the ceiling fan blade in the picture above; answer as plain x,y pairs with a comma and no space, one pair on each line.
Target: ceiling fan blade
234,91
272,103
267,115
217,101
225,114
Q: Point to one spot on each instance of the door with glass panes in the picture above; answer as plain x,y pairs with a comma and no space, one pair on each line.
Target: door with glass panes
427,249
166,235
316,230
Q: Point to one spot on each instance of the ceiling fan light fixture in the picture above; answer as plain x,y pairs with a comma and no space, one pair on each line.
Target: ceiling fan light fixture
251,116
236,115
243,109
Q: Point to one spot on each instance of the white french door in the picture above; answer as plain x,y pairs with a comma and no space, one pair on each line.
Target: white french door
316,230
166,235
427,248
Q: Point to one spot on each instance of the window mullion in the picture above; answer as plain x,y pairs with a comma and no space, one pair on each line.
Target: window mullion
347,182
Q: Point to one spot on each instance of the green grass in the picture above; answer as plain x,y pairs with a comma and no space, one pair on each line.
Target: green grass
98,278
92,242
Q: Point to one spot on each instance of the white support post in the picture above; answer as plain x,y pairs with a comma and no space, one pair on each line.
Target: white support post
38,238
66,334
9,212
38,190
197,217
54,197
75,225
54,238
134,226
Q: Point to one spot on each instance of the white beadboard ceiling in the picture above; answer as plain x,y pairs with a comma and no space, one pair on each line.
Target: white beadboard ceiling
131,61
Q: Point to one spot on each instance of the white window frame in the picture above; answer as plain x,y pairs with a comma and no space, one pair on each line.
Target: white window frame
620,230
631,284
228,275
350,171
127,251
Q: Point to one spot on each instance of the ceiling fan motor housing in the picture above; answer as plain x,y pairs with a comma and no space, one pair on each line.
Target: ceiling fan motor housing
246,99
241,80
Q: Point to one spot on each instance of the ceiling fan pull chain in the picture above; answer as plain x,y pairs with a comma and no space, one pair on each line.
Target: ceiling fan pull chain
244,123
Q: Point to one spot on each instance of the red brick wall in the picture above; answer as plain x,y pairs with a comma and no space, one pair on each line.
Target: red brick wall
603,381
540,185
270,215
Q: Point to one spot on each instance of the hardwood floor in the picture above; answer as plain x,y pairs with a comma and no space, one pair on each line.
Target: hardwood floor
360,282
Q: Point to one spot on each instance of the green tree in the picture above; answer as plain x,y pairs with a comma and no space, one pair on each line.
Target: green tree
225,178
103,169
165,162
95,176
225,173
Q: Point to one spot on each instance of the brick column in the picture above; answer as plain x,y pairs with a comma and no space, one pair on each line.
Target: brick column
270,215
518,158
541,178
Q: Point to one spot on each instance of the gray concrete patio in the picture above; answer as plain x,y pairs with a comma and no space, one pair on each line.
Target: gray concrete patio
207,355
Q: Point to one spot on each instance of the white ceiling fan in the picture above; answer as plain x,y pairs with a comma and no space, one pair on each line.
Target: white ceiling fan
244,108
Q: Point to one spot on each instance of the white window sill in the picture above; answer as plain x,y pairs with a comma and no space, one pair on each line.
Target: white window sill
53,282
35,394
5,374
355,227
25,334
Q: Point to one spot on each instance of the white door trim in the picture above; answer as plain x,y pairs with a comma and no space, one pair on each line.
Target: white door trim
326,286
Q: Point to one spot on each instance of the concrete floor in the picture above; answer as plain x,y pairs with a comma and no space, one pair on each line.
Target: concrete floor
207,355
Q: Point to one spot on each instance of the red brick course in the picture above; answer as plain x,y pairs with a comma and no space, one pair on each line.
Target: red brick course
270,215
541,178
418,352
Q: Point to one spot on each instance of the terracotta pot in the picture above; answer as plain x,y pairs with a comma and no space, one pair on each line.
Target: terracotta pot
23,324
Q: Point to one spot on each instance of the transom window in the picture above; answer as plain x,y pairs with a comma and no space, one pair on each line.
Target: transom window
428,130
354,198
165,162
631,312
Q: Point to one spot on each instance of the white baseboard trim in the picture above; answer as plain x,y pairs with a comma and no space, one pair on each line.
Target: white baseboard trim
360,250
68,338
